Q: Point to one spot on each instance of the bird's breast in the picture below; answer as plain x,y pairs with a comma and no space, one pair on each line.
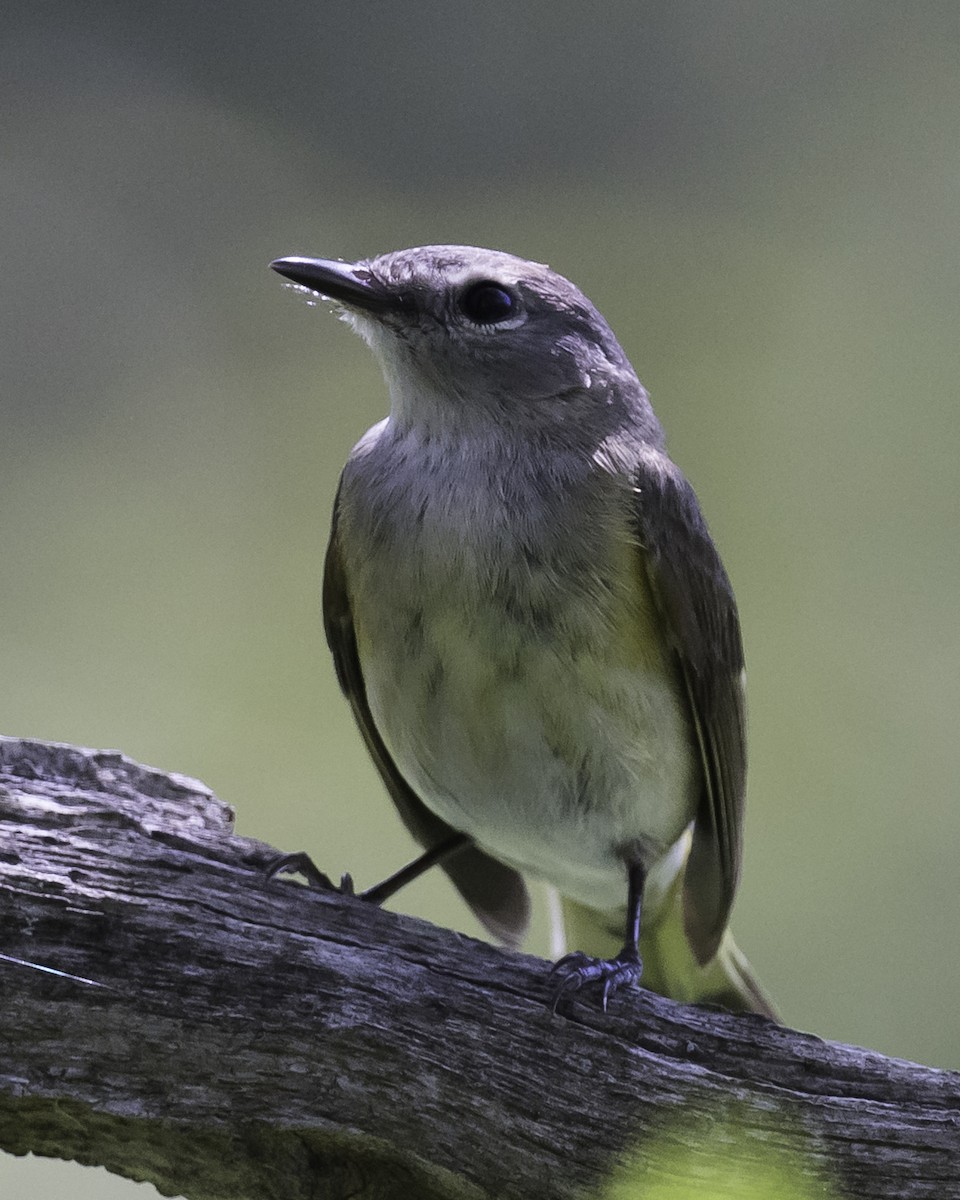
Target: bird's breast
515,668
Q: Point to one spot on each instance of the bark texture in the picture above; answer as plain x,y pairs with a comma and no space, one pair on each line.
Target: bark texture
173,1016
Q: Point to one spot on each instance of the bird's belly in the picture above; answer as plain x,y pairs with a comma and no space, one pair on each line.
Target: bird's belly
561,757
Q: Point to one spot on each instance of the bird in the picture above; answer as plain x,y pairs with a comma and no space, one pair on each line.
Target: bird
532,624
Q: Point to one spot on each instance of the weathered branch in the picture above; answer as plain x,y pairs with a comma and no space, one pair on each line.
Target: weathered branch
239,1038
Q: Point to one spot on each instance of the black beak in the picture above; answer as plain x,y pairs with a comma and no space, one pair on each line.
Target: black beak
350,285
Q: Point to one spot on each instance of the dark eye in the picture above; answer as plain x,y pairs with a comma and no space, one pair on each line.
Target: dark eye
487,303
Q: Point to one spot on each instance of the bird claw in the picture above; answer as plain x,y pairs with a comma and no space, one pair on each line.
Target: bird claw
300,863
577,969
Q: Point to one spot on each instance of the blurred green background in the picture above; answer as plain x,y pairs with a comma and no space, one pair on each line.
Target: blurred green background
764,200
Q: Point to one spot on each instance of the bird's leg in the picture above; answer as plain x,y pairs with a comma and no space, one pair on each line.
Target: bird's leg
301,863
429,858
576,969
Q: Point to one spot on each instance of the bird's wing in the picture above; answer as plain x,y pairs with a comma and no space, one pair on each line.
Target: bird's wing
495,892
696,604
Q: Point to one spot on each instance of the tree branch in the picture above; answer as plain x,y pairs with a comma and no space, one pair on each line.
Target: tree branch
226,1037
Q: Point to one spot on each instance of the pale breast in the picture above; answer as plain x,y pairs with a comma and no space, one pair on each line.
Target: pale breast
520,682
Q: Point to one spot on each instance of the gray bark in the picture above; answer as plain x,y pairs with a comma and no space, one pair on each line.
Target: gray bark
227,1037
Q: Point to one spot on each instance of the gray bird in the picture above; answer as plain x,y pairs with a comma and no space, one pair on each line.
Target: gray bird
532,624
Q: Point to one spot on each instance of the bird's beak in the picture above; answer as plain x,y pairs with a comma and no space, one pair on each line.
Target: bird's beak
350,285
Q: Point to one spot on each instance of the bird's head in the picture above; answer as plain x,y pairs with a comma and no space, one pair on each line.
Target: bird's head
468,336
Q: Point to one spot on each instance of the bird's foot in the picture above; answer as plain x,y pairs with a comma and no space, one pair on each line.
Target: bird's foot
300,863
574,970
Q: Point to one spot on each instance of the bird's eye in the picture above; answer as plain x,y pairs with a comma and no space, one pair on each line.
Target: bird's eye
487,303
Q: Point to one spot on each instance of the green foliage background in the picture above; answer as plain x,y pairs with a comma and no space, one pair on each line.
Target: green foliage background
764,200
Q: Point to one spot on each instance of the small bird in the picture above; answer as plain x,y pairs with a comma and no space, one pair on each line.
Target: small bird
533,626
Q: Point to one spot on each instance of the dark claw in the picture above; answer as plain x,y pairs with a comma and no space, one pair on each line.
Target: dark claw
577,969
301,863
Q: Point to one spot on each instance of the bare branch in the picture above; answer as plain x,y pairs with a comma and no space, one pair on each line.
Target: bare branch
186,1022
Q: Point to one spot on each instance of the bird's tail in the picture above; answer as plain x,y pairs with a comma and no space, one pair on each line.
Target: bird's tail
669,964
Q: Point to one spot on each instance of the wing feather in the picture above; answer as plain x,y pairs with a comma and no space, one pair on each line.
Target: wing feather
697,605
